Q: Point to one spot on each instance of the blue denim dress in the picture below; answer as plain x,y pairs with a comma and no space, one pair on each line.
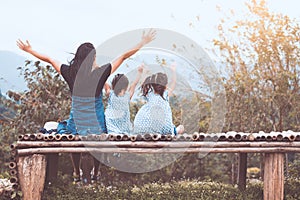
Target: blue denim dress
86,116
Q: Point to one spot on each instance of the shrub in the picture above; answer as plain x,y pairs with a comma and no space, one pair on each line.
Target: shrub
172,190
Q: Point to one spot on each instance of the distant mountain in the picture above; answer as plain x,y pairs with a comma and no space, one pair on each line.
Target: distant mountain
10,78
6,114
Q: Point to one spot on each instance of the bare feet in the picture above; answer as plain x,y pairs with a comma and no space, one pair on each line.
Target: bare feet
180,129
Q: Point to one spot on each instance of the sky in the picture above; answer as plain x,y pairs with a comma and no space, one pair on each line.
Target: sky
57,27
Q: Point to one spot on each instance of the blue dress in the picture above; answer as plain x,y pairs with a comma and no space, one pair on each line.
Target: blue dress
117,114
87,116
155,116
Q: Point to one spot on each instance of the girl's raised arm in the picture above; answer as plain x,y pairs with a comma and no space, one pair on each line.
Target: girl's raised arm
146,38
27,48
135,82
107,89
172,85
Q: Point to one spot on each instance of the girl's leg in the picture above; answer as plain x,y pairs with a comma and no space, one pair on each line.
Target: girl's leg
86,166
75,157
96,169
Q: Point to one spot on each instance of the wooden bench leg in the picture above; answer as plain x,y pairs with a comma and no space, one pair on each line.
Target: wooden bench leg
274,176
52,167
242,172
32,174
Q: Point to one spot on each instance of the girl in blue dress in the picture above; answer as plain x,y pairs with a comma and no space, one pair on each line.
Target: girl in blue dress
117,112
86,80
156,115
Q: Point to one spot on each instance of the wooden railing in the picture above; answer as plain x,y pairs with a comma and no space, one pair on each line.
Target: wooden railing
32,150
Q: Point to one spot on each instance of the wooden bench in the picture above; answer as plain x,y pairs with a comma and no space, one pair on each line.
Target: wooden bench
33,150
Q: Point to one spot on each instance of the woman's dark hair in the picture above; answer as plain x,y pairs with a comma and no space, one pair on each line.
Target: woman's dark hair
119,83
157,82
84,57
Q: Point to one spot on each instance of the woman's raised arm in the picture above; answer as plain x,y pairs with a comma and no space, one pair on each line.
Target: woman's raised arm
172,85
146,38
27,48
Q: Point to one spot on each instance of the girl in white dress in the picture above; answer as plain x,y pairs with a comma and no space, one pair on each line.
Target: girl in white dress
156,115
117,113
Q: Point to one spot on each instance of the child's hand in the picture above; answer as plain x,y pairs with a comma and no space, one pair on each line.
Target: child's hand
25,47
141,68
173,66
137,79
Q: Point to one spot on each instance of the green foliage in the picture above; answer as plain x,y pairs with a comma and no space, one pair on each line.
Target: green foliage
156,190
186,189
292,181
7,110
47,99
261,53
134,108
294,169
15,195
291,188
253,191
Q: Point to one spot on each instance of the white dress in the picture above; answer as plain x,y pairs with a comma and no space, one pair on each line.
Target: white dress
117,114
155,116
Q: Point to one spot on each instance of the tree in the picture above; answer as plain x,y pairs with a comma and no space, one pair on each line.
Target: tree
261,53
47,99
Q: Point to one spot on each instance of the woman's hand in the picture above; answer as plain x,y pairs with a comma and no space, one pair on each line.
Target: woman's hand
25,47
146,38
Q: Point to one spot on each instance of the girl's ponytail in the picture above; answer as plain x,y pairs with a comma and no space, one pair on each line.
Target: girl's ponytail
156,82
146,86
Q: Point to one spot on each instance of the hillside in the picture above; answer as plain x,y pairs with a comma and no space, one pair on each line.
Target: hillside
10,78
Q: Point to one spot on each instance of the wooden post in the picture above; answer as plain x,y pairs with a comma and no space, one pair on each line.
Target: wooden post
242,172
52,168
32,173
274,176
233,169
